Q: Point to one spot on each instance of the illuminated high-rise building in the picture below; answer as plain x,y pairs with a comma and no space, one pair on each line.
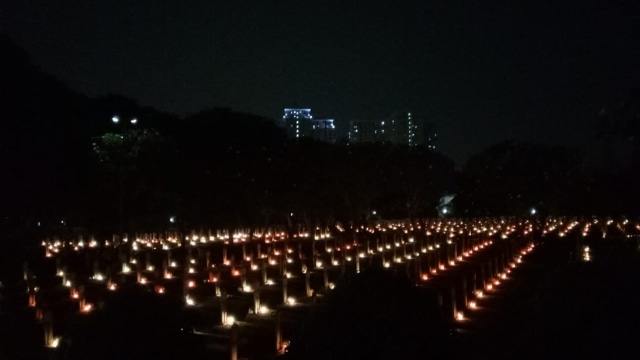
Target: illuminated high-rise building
296,122
429,135
400,128
323,130
364,131
299,123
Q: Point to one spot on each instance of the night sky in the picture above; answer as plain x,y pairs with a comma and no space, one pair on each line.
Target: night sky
482,71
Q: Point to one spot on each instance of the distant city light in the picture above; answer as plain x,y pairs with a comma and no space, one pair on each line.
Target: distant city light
134,121
115,119
533,211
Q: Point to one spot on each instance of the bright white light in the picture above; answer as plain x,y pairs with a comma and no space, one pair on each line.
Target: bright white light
472,304
533,211
189,301
55,342
125,268
231,320
263,310
291,301
172,219
115,119
67,283
459,316
98,277
445,210
134,121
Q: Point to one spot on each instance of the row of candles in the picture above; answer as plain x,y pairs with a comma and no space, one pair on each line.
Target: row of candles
425,250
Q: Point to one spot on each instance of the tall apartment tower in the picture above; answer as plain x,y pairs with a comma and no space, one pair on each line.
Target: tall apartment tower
299,123
429,135
402,128
296,122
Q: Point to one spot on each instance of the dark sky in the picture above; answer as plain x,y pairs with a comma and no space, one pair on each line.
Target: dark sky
483,71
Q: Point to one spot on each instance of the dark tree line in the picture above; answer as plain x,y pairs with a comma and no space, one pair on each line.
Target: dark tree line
65,163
